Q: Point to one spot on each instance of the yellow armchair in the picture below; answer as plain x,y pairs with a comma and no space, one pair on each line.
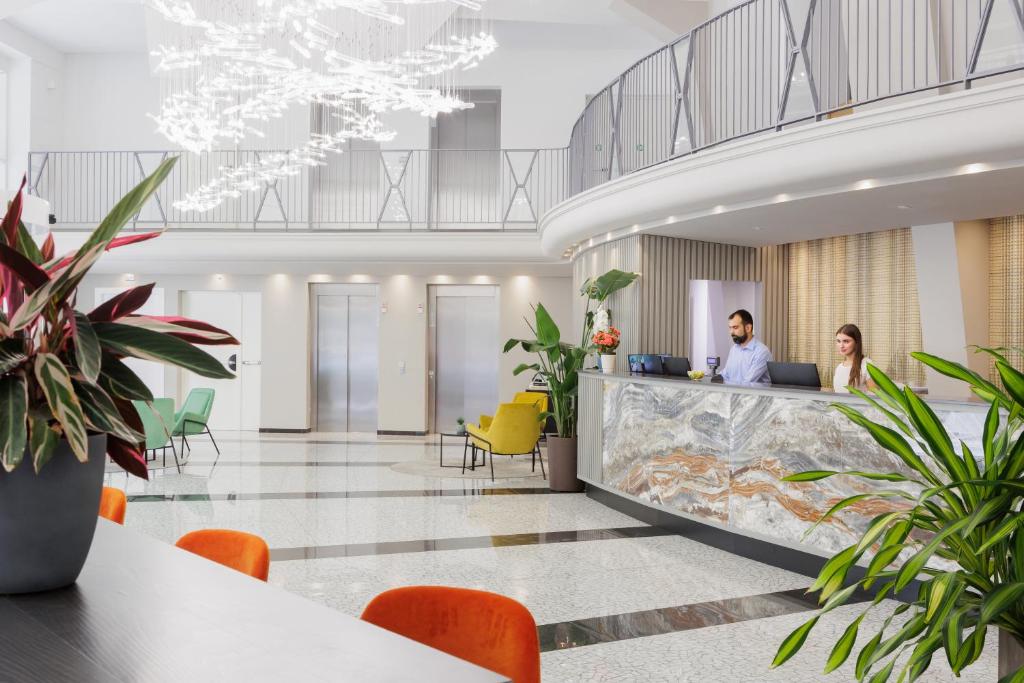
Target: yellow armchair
531,397
514,430
535,397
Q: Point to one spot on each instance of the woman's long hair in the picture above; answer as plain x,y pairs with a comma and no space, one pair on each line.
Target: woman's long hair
853,332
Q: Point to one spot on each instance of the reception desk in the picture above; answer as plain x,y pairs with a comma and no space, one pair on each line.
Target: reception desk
710,458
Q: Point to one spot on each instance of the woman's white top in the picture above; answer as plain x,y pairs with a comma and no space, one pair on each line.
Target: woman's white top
841,379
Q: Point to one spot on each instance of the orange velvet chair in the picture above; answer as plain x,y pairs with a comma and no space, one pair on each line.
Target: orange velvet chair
243,552
113,504
484,628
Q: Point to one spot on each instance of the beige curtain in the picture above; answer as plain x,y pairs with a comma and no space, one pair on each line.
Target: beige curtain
868,280
1006,286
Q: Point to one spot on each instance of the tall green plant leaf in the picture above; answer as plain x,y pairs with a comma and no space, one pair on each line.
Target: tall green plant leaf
609,283
844,646
13,429
793,642
138,342
88,353
55,382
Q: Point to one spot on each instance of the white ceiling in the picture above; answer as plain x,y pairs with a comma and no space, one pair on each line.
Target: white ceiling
72,26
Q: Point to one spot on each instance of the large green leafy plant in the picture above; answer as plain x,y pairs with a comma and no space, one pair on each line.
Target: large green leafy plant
62,374
559,362
958,528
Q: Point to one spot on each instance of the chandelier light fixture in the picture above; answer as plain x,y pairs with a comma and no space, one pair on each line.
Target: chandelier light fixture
252,71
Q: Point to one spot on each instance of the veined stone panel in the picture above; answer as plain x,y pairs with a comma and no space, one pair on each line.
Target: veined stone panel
720,454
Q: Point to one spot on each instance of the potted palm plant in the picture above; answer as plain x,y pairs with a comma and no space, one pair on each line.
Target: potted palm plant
958,531
559,364
66,394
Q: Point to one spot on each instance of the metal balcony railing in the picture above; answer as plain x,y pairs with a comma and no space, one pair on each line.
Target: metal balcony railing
761,66
357,190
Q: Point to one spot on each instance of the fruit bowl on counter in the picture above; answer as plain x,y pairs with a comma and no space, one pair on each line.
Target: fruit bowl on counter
695,374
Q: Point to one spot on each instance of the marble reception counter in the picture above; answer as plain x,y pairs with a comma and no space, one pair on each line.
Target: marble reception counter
716,454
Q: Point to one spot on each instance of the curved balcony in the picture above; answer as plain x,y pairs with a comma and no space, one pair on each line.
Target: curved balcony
763,66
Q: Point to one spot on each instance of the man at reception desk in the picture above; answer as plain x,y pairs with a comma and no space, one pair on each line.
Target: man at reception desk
749,358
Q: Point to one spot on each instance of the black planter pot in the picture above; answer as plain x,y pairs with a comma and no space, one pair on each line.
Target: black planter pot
47,520
1011,654
562,465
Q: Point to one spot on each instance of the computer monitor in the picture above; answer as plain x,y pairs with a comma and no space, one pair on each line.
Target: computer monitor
634,362
652,364
675,366
794,374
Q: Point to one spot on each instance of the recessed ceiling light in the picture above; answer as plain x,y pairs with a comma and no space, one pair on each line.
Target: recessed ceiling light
756,227
902,206
974,168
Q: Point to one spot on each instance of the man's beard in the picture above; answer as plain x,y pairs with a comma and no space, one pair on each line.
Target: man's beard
738,340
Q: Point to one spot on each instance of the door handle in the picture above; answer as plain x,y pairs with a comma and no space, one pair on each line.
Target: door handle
233,362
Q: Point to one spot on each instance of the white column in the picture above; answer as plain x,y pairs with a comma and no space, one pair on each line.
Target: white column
942,314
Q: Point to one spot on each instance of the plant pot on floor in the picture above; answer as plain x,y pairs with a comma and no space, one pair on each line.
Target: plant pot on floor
1011,654
562,465
608,362
47,520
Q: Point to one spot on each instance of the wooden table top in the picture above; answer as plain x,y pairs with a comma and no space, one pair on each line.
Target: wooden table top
143,610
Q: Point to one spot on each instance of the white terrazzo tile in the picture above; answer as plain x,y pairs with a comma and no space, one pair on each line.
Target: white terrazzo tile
557,582
290,523
738,653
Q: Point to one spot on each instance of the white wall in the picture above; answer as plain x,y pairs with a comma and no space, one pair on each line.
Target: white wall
35,102
108,97
543,92
402,398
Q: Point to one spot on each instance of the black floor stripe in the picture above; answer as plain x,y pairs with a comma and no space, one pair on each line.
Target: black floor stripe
654,622
334,442
317,495
294,463
319,552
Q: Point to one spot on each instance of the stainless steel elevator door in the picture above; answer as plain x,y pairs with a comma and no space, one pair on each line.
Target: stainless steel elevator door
362,364
346,363
332,363
466,352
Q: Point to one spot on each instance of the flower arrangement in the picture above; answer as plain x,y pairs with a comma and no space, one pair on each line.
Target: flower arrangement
607,341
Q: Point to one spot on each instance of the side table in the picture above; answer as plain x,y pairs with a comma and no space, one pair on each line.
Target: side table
465,445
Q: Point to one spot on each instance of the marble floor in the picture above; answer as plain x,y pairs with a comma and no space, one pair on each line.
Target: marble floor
350,515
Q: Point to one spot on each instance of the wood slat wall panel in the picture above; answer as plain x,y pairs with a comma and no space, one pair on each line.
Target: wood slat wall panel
869,280
590,453
1006,286
668,264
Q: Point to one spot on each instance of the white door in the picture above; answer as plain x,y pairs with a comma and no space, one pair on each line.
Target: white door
236,403
150,372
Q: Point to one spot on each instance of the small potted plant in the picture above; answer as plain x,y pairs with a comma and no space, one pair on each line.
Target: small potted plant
460,426
606,342
66,394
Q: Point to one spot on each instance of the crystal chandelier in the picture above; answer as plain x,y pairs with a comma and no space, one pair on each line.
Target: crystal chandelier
234,70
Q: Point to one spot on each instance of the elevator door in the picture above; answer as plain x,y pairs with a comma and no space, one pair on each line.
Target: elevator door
346,362
465,354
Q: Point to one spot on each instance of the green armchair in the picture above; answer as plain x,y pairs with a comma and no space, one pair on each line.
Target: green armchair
158,422
193,418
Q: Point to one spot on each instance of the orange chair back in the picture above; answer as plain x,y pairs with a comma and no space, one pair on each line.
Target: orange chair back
243,552
113,504
484,628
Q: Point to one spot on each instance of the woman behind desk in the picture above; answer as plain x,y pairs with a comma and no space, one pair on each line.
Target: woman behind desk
853,371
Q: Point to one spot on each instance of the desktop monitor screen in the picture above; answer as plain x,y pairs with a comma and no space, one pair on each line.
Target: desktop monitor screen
676,367
794,374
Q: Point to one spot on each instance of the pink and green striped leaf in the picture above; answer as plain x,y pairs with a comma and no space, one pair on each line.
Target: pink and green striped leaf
43,440
56,384
13,429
